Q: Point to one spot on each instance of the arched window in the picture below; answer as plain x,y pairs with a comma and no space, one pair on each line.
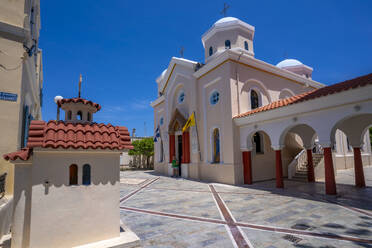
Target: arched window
73,174
181,97
210,51
246,45
86,174
69,115
79,115
257,139
89,116
227,44
215,97
254,100
216,145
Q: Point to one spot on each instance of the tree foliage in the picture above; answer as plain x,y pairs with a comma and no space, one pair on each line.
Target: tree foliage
143,147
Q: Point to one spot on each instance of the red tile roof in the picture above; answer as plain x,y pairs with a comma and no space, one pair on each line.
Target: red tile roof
328,90
76,100
62,134
23,154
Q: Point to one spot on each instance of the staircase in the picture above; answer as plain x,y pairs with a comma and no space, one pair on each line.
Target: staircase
301,166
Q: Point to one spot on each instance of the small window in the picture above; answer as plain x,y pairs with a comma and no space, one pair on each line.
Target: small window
227,44
257,139
73,174
79,115
216,146
246,45
254,100
215,97
69,115
210,51
86,174
89,116
161,121
181,97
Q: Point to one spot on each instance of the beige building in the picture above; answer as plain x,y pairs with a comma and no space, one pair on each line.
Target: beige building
252,122
67,182
21,76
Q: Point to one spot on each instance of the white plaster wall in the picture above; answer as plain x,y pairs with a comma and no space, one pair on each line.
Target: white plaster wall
63,215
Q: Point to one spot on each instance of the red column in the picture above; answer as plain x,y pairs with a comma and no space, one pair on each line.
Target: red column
358,168
171,147
310,166
183,149
247,167
187,147
330,181
279,169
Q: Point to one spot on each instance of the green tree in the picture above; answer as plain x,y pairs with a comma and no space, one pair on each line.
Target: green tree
143,147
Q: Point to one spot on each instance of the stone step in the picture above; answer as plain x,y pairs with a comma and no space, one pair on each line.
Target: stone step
300,176
300,179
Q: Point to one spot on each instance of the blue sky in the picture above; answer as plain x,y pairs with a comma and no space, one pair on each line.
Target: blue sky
121,46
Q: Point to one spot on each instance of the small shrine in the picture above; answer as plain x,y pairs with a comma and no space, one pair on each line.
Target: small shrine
67,180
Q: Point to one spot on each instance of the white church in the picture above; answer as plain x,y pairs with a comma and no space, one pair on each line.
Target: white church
256,121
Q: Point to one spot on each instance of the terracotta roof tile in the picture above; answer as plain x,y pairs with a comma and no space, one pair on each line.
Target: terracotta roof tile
76,100
23,154
62,134
328,90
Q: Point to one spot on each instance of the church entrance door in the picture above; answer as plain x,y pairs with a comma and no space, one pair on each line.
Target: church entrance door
179,151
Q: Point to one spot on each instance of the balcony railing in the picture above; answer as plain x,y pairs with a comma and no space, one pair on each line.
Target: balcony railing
2,185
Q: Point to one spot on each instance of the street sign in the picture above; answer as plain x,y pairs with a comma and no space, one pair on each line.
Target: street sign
8,96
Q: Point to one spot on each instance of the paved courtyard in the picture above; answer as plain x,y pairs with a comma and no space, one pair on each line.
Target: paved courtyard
175,212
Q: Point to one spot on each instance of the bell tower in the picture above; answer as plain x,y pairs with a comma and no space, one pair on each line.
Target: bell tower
228,33
77,109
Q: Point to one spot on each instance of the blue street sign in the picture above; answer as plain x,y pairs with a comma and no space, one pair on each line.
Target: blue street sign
8,96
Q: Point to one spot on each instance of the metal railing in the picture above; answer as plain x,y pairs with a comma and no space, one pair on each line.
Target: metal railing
2,185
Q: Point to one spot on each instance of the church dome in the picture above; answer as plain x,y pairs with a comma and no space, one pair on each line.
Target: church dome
226,20
288,62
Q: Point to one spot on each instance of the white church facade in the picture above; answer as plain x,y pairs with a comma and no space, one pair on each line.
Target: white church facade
256,121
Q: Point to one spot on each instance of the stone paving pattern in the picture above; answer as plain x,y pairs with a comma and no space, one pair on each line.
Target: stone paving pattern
299,206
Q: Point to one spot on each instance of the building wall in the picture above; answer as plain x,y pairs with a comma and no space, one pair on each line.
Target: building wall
19,74
69,215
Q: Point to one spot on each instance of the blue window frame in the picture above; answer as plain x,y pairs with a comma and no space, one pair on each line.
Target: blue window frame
246,45
86,174
227,44
181,97
215,97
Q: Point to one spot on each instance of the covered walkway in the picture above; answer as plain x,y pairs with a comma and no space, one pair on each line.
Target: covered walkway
315,115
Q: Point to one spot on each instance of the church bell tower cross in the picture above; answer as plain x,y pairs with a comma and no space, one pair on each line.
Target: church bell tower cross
80,80
224,10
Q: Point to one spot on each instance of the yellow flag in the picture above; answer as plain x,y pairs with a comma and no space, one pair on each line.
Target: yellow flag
190,122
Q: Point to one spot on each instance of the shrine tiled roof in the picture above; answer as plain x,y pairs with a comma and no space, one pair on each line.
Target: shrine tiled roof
60,134
325,91
77,100
23,154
